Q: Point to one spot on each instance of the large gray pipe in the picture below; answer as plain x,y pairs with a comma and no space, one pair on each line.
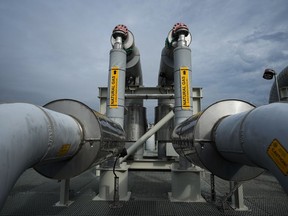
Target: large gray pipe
257,138
182,74
117,75
31,135
236,141
60,141
175,72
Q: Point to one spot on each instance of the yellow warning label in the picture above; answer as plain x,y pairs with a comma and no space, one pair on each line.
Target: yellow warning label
185,87
114,87
63,150
279,155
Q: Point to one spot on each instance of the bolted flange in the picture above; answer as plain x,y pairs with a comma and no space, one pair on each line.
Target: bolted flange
120,31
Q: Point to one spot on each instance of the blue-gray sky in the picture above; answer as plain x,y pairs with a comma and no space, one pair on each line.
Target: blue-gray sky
52,49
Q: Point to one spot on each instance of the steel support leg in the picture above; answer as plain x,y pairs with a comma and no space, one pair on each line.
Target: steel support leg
64,193
238,198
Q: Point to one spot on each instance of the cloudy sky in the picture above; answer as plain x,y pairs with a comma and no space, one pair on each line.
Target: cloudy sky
52,49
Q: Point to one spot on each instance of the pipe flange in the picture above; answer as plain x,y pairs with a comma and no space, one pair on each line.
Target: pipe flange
120,31
171,39
180,28
128,42
205,146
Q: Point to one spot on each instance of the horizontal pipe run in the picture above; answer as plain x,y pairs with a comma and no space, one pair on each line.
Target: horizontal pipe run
31,135
148,134
257,138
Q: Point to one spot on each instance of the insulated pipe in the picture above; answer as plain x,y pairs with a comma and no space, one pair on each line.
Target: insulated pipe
193,139
133,67
175,65
182,74
31,135
117,70
236,141
166,75
257,138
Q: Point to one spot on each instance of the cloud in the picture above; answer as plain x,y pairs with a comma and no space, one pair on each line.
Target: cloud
60,49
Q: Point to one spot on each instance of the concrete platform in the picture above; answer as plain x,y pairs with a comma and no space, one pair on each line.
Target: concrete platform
34,194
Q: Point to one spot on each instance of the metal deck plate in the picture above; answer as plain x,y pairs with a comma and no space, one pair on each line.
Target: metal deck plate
37,195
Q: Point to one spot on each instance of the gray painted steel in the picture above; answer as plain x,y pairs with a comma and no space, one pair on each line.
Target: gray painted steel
103,138
246,138
194,139
30,135
117,58
182,58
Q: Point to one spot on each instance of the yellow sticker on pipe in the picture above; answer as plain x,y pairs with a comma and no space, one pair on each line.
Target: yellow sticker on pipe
279,155
63,150
114,87
185,87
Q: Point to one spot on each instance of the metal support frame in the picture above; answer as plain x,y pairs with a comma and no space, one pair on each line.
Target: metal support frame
185,184
151,93
106,183
237,197
64,194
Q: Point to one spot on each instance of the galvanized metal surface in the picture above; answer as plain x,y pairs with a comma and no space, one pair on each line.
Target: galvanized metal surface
36,195
135,124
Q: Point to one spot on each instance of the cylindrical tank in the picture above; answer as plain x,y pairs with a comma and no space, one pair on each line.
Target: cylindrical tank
135,123
163,135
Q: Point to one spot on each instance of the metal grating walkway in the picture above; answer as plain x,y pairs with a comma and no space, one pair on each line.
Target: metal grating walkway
37,195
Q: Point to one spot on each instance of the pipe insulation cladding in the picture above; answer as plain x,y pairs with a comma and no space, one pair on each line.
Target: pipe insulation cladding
236,141
30,135
60,141
257,138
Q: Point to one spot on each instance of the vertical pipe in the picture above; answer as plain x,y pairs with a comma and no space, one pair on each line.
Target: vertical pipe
117,70
182,75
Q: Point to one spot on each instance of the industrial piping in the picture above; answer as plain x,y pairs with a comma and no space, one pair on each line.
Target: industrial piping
54,140
257,138
182,74
117,74
31,135
174,72
236,141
